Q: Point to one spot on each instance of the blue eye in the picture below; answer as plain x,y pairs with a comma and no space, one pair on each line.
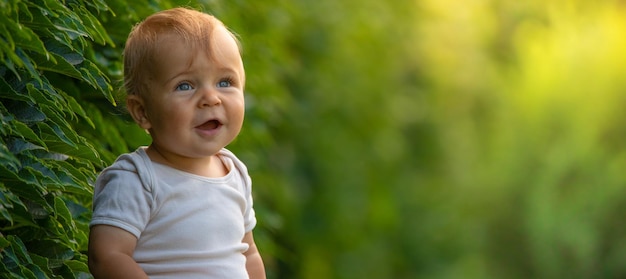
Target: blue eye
224,83
184,87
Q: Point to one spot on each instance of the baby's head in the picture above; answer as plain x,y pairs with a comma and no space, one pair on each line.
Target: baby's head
141,54
184,79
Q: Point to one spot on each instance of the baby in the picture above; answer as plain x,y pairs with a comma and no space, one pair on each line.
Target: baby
181,207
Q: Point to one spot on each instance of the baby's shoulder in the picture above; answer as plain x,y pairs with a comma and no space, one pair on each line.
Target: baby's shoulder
129,168
229,155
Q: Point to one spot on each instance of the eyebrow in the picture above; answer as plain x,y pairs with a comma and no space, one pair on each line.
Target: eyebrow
230,70
188,71
178,74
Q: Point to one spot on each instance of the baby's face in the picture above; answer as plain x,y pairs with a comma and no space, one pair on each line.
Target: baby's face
195,104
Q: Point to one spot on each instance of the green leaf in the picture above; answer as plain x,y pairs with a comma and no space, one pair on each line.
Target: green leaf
97,79
8,201
99,5
57,252
22,217
8,159
23,184
65,49
9,7
45,101
50,134
42,24
27,113
56,141
35,270
96,31
18,145
38,211
70,24
42,263
4,243
44,174
26,272
22,130
61,211
27,63
77,108
60,126
30,41
73,180
13,61
7,92
57,100
24,12
77,266
57,64
9,27
19,249
51,8
10,259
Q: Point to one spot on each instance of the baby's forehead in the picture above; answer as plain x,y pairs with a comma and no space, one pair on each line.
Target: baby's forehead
213,42
180,52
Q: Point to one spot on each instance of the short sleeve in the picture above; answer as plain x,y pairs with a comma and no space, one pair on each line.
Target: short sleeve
246,189
249,214
121,200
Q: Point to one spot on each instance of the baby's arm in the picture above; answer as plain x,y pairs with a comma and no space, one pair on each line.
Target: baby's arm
254,263
111,253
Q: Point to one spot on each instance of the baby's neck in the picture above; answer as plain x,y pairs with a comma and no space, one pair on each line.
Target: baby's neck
211,166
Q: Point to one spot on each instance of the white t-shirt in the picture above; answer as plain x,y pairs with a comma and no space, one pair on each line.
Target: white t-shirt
187,226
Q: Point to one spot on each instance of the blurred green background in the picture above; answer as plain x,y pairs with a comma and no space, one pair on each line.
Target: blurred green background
437,139
420,139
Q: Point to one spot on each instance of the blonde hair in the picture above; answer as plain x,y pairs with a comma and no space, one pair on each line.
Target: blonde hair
193,27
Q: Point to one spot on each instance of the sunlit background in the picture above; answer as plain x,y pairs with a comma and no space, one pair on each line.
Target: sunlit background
439,139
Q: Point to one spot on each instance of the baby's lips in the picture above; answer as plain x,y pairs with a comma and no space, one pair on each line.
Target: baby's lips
209,125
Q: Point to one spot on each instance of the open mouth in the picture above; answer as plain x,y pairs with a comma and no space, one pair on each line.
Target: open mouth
210,125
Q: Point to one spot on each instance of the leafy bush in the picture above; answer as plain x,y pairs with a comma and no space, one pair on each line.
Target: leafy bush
46,167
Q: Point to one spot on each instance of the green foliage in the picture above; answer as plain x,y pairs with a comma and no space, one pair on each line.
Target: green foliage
46,165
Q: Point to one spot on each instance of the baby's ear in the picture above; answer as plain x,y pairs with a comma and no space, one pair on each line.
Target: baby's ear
136,108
